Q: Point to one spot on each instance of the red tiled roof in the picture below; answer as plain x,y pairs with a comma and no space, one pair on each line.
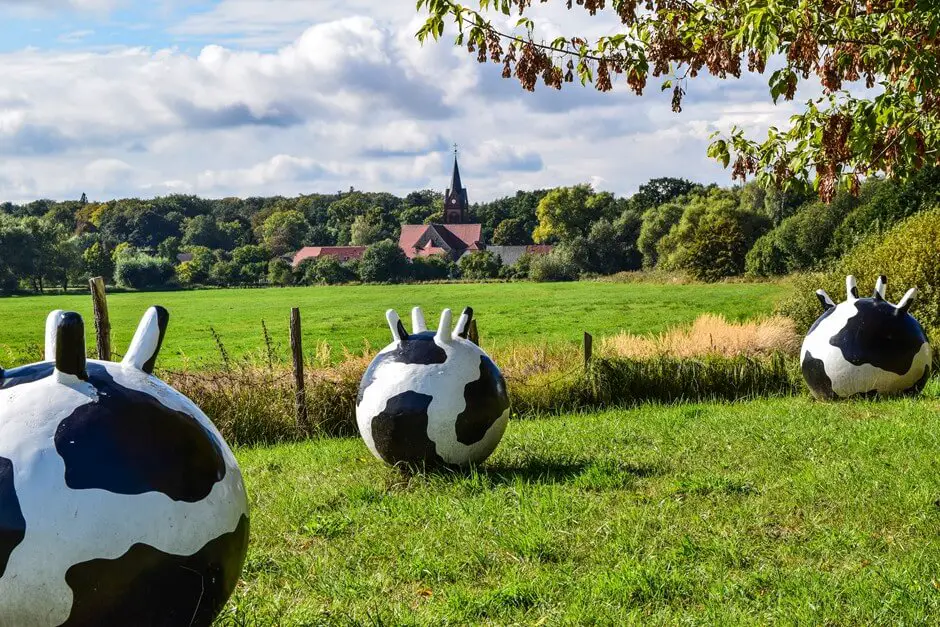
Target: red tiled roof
459,237
343,253
539,249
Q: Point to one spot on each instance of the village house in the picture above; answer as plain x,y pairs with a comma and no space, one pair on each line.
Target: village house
342,253
455,237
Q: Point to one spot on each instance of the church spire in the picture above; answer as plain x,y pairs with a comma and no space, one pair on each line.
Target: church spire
456,203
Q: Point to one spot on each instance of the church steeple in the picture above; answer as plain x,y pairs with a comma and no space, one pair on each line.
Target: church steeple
456,203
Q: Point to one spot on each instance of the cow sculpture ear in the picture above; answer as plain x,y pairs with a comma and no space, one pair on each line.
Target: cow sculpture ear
70,346
52,329
905,304
145,347
880,285
418,325
443,329
394,323
851,288
463,324
825,300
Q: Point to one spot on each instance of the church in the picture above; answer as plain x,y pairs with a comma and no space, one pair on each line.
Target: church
455,237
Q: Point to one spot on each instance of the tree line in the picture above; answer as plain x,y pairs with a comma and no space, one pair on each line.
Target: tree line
669,224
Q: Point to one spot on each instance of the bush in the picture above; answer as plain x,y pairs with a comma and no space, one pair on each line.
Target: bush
765,258
325,270
555,266
142,271
198,270
518,270
719,245
907,255
433,268
280,272
802,241
481,264
383,262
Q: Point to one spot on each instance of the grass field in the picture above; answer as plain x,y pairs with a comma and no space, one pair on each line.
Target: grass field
787,511
524,313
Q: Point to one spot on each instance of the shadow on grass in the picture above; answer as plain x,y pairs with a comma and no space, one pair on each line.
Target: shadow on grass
539,470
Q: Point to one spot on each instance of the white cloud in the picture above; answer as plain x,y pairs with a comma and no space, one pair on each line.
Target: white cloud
344,100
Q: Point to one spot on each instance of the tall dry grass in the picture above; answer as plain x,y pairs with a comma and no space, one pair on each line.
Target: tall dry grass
710,335
251,400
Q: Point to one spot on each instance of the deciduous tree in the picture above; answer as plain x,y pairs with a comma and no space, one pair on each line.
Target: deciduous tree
844,45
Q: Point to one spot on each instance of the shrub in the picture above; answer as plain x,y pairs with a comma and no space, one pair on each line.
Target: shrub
802,241
433,268
199,269
518,270
280,272
224,273
481,264
142,271
328,270
718,248
555,266
383,262
765,258
907,255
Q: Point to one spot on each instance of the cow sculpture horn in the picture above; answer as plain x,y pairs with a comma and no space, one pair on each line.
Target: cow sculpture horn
145,347
418,325
908,300
394,323
70,345
52,329
825,300
880,285
443,329
851,288
463,324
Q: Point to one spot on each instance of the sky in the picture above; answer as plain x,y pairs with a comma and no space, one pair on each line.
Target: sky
114,99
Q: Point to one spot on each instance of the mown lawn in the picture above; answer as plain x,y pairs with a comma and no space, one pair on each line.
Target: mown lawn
787,511
525,313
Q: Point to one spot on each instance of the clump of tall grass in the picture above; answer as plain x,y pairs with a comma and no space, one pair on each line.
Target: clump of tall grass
710,335
663,379
251,400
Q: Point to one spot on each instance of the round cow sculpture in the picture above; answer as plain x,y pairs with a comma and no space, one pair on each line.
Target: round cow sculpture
120,503
865,346
432,398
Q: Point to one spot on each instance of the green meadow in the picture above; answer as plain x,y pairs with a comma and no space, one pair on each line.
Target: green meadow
349,316
768,512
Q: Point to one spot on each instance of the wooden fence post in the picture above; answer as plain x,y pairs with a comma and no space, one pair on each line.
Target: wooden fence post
296,345
473,334
588,350
99,302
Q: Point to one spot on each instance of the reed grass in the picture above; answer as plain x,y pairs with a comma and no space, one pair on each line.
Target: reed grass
710,335
251,399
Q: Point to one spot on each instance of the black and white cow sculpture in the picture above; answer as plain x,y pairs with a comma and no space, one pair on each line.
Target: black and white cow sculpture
432,398
120,503
865,346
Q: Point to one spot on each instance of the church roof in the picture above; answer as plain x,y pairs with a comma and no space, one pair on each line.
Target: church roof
419,240
455,184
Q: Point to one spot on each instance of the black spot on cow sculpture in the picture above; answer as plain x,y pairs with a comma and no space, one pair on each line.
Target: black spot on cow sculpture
865,346
120,503
432,398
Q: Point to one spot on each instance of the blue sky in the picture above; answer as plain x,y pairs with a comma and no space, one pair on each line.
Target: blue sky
247,97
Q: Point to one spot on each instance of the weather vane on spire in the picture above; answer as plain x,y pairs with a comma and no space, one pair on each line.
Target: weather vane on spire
455,149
